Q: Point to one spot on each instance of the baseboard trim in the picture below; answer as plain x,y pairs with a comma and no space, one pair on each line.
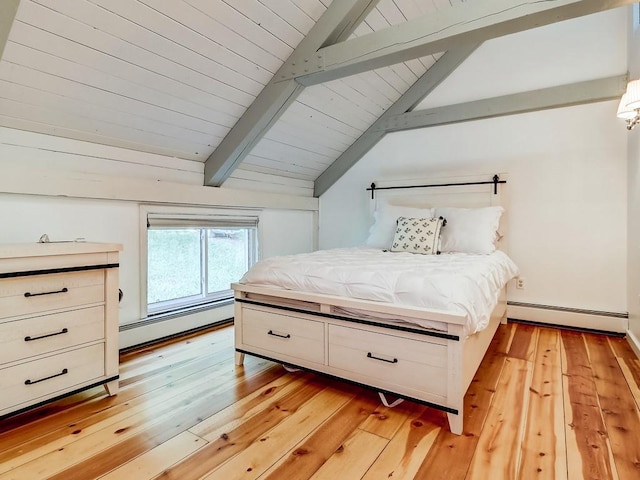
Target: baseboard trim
634,342
151,331
616,322
565,327
219,324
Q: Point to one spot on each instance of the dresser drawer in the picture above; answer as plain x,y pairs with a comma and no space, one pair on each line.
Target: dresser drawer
22,296
389,360
280,333
26,338
31,381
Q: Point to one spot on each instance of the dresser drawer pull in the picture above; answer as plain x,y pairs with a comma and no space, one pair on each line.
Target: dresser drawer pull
271,332
32,382
29,294
29,338
370,355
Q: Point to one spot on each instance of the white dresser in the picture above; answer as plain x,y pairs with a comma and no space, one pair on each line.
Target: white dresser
58,321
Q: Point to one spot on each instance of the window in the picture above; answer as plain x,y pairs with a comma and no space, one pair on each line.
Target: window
193,258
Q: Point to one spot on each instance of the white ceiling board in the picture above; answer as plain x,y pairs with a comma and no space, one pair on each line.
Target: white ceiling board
150,29
110,133
252,180
283,134
281,152
174,76
268,20
136,81
283,167
54,143
35,151
244,28
25,94
299,14
88,28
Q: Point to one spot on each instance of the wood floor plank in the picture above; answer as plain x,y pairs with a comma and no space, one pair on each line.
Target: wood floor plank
386,421
265,423
254,460
103,451
621,348
153,462
326,441
451,454
164,362
69,413
243,410
631,370
618,406
403,456
121,417
497,450
524,343
242,436
543,448
352,459
587,447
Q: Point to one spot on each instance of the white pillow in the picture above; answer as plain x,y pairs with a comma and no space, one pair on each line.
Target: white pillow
386,216
417,235
469,230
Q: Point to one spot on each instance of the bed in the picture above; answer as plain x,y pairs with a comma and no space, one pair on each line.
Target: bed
371,316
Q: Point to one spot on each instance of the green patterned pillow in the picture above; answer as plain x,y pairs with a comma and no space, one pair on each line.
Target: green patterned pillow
418,235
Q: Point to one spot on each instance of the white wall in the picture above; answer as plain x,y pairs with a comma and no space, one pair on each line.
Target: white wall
633,139
24,218
69,189
567,167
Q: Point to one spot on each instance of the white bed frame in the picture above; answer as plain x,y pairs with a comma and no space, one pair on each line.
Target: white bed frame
313,332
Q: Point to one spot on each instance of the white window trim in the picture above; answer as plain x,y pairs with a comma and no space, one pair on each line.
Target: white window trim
221,212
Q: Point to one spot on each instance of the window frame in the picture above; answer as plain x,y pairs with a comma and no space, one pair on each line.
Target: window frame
217,215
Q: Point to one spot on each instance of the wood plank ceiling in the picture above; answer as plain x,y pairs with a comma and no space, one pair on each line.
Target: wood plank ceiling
173,77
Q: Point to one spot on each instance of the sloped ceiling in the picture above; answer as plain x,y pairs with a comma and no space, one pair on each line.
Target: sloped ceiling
172,77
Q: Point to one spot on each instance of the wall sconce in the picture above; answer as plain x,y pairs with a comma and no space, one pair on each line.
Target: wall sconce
629,108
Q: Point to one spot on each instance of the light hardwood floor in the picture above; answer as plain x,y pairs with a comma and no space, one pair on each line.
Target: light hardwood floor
544,404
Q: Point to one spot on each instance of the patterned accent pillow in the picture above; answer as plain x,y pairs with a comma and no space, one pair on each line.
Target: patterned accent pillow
418,235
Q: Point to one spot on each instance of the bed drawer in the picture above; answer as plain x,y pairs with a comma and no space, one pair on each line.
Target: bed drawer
285,334
388,360
44,334
42,378
41,293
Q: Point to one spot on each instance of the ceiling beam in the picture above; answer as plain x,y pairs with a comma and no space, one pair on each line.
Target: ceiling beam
579,93
446,64
335,25
8,9
443,30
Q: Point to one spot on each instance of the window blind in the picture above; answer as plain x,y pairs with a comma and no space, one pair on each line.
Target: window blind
169,221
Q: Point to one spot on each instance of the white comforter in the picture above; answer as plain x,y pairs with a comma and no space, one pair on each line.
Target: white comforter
458,282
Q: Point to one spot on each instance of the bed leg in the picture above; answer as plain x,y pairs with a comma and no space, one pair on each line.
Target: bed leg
239,358
455,423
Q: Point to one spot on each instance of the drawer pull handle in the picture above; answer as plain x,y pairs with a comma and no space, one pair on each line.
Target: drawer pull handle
32,382
370,355
29,294
270,332
29,338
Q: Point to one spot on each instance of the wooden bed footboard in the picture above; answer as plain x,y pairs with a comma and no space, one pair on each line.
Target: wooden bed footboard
305,330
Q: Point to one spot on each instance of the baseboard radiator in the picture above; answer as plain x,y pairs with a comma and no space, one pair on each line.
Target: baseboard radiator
614,322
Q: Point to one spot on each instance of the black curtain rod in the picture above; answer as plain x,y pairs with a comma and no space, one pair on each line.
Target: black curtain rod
495,181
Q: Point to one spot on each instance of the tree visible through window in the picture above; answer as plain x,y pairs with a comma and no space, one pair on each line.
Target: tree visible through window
190,266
